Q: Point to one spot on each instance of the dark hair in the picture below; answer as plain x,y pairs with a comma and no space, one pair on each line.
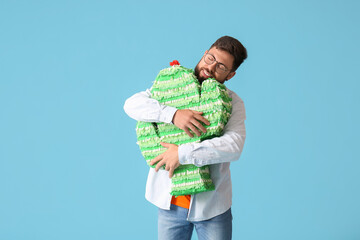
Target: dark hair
234,47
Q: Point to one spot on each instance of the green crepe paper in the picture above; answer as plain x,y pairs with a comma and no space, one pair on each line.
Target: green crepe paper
178,87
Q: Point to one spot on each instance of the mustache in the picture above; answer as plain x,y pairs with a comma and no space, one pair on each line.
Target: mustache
210,72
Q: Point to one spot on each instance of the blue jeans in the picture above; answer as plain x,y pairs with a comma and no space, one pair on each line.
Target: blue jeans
172,225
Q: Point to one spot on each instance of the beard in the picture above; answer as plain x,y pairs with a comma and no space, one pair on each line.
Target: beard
197,72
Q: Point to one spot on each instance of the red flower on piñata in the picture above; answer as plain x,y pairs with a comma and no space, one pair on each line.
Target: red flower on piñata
175,62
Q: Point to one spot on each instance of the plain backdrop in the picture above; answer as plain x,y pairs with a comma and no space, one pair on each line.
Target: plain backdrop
69,164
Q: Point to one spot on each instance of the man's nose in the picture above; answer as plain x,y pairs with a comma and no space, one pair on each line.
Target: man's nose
212,67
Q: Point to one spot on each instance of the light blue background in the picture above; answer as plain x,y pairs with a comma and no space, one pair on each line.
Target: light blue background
69,165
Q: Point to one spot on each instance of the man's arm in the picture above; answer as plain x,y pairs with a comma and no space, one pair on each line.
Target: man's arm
142,107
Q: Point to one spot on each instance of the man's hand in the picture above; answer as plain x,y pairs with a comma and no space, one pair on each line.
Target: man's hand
186,119
170,158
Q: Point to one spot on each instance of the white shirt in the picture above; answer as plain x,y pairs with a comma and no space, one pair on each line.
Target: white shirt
217,152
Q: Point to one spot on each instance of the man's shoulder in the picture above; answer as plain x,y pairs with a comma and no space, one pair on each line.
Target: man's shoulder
234,96
238,105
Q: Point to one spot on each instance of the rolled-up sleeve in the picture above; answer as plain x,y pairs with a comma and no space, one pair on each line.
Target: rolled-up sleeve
142,107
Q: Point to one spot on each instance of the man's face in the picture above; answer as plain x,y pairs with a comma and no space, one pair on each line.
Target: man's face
204,71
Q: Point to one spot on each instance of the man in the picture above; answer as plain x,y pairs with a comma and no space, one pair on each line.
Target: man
209,212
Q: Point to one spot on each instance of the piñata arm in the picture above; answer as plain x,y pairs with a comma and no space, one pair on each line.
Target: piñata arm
225,148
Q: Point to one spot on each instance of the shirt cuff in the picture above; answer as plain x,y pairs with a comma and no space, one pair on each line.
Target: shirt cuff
185,156
167,114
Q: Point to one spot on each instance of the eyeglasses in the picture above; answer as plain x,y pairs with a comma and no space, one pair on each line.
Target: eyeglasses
220,67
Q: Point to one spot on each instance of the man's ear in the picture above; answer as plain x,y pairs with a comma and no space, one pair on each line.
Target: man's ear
230,75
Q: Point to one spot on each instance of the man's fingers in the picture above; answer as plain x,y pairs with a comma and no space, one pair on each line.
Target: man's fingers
194,129
159,165
171,172
158,158
167,145
202,119
199,126
197,112
188,132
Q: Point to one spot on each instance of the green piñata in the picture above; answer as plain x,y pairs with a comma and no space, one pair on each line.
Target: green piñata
178,87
